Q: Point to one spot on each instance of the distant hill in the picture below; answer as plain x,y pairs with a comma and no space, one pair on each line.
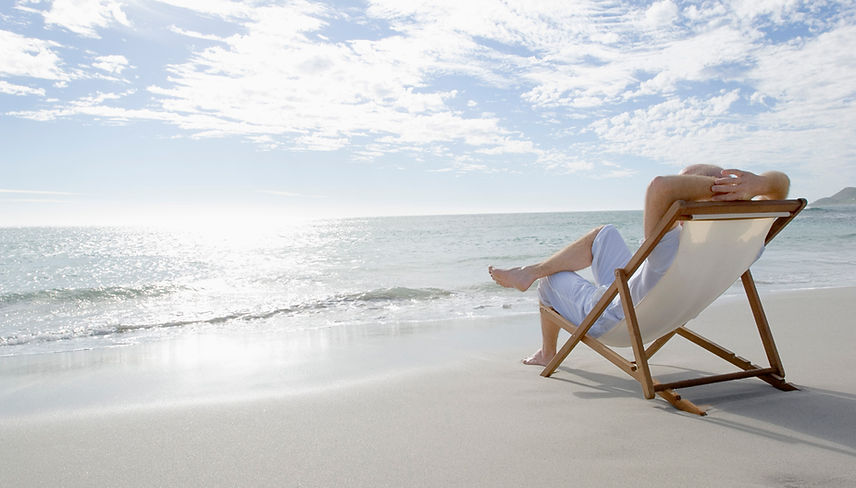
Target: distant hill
846,196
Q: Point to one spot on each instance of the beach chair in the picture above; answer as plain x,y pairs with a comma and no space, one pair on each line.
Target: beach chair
718,243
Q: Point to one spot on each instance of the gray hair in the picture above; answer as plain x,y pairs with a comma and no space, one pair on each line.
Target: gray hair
702,170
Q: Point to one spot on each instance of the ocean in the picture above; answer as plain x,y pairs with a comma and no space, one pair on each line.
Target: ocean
76,288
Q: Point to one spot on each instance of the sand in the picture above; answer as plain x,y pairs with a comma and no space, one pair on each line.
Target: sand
446,404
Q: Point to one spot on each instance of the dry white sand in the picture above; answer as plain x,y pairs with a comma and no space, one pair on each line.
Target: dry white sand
447,407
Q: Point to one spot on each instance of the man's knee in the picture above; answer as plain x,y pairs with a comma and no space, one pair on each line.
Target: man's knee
592,235
608,242
602,231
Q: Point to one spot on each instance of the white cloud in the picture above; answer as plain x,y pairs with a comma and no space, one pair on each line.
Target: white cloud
85,17
778,11
661,14
809,78
617,171
94,106
563,162
612,173
622,72
12,89
220,8
29,57
668,81
463,165
676,131
113,64
278,79
196,35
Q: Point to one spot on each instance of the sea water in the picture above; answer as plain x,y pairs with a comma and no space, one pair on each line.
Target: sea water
72,288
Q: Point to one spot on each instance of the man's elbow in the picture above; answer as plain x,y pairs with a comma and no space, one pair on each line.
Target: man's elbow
785,186
659,194
661,187
658,184
779,185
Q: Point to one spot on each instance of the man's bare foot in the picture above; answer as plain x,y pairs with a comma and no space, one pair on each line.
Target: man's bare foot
539,359
520,278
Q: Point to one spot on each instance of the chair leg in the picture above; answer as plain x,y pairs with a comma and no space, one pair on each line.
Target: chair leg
770,375
628,367
681,403
761,322
644,373
640,370
566,349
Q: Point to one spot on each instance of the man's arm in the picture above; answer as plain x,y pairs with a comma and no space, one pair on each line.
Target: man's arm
743,185
663,191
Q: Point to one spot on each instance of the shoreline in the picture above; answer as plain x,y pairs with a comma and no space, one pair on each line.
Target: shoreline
198,367
445,407
227,366
735,291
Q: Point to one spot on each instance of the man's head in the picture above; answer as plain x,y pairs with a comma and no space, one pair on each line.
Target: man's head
702,170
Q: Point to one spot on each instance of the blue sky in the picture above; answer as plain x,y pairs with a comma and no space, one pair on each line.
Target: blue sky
124,111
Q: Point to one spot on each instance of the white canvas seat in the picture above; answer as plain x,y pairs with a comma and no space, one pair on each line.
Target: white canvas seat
716,251
718,244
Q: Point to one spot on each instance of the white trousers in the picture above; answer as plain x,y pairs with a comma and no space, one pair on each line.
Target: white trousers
574,296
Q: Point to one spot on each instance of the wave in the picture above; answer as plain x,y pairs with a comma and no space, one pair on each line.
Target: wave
377,298
396,294
110,293
829,208
837,209
830,213
785,280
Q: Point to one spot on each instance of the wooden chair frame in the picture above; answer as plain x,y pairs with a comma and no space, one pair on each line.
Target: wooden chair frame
639,368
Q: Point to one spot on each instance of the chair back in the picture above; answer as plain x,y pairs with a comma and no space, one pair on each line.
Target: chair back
713,252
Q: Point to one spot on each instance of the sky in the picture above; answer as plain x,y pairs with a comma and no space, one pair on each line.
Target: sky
133,111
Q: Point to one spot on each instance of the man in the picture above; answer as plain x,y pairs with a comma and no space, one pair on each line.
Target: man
605,250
